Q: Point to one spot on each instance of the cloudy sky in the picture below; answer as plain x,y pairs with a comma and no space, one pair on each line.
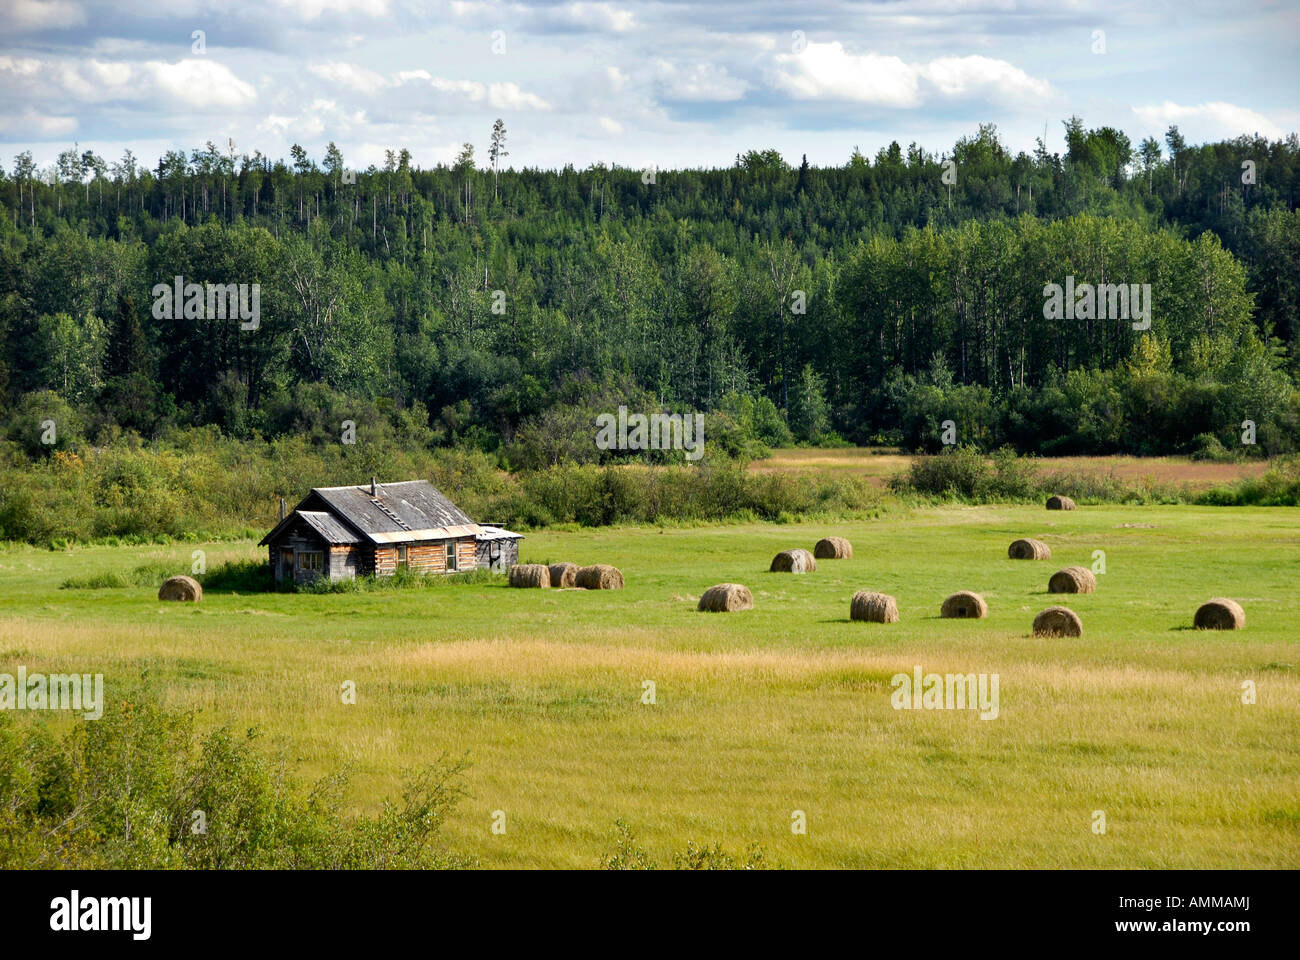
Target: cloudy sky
674,84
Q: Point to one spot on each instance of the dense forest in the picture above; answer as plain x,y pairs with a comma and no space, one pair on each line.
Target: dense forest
484,306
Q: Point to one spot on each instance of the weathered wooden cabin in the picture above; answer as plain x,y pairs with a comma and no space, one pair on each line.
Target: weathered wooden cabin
345,532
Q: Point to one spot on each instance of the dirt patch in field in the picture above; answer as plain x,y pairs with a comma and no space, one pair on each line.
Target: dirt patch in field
1178,470
879,464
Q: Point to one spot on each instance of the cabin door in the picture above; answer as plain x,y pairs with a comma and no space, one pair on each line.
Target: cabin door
286,564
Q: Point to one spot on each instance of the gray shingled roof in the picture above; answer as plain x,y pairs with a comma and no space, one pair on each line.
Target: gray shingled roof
328,527
411,510
402,513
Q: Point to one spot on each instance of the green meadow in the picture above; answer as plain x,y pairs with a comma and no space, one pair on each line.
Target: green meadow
762,713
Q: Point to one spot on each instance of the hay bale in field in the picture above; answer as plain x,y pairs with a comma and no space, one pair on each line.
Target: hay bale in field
833,548
1027,549
873,607
186,589
563,574
1072,580
1059,503
530,575
1220,614
599,576
727,597
793,561
964,605
1058,622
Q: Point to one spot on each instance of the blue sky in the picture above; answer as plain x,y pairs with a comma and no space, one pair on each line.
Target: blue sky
674,84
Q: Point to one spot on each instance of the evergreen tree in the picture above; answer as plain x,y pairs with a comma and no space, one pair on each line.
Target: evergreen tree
128,350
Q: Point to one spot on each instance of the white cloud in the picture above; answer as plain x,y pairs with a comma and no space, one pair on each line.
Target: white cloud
1209,121
699,82
508,96
194,82
275,124
826,71
20,67
503,96
351,76
30,123
983,76
312,9
590,16
35,15
322,118
200,83
611,126
470,88
607,15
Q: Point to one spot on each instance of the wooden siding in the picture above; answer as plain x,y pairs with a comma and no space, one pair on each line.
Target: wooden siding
428,556
299,538
499,555
346,561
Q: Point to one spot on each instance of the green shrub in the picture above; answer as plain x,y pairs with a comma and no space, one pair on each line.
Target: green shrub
401,580
1278,487
627,854
964,474
112,580
132,789
1206,446
145,575
239,576
959,472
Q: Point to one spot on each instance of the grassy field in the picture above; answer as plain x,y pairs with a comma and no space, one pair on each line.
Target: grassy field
762,713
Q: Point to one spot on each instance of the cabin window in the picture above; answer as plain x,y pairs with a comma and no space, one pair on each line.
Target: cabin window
311,560
451,554
401,558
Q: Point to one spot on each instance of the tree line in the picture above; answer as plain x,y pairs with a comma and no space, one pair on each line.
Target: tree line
487,305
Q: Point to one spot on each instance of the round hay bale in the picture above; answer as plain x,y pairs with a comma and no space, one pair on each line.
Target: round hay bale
530,575
185,589
564,574
1220,614
599,576
833,548
726,598
1058,622
1027,549
873,607
964,605
793,561
1072,580
1060,503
